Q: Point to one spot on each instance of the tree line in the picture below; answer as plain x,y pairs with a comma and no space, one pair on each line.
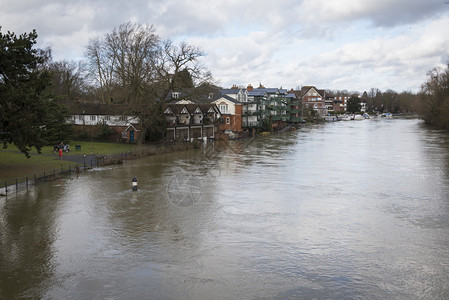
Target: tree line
383,101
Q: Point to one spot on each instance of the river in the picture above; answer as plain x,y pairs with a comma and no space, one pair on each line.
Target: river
345,210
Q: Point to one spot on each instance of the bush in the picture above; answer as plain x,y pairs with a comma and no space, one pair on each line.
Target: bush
104,131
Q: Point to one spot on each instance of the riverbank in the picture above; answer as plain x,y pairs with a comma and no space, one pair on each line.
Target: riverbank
15,167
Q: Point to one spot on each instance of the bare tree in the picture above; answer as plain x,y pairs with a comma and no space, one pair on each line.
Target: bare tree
134,49
131,64
176,58
68,79
101,67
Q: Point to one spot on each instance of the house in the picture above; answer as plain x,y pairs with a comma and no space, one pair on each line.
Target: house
187,120
252,115
231,114
329,102
87,117
237,93
314,98
340,103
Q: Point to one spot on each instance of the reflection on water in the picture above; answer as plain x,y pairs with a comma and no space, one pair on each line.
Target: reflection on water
354,210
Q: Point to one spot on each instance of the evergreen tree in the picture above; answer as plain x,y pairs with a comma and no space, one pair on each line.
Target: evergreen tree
353,105
183,80
29,117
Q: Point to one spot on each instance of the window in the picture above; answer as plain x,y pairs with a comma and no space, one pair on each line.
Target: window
227,120
223,108
93,118
123,118
211,95
107,118
175,95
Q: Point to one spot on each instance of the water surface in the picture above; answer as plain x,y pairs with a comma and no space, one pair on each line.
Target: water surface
353,210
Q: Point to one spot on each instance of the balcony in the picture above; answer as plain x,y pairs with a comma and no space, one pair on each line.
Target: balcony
251,113
252,124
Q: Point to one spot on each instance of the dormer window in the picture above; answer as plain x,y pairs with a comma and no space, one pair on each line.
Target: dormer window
223,108
175,95
211,95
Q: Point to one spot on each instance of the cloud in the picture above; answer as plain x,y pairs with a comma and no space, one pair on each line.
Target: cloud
400,62
321,16
347,44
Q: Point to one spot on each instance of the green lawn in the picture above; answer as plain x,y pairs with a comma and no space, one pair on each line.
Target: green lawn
14,164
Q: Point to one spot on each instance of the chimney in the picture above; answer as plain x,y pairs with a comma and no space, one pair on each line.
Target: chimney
249,88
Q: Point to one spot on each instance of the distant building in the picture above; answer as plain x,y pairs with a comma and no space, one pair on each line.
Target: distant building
85,117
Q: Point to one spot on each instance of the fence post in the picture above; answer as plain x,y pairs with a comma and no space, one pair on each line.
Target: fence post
17,186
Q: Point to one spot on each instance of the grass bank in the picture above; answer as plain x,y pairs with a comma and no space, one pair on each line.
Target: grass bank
14,164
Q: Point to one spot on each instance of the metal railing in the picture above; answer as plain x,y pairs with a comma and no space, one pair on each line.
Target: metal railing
89,162
23,183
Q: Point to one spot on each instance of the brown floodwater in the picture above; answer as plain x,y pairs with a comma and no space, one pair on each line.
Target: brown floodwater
346,210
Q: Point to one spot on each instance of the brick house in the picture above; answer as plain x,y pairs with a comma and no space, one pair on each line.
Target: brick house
231,114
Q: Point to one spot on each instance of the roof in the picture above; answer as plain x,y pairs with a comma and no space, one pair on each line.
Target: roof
191,108
271,90
229,99
97,109
230,91
257,92
305,89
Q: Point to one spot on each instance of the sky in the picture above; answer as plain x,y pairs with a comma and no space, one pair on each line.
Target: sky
352,45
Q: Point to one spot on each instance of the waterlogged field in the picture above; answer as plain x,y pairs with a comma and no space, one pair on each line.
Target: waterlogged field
15,165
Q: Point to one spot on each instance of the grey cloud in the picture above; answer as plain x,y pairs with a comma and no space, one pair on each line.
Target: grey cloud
321,18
